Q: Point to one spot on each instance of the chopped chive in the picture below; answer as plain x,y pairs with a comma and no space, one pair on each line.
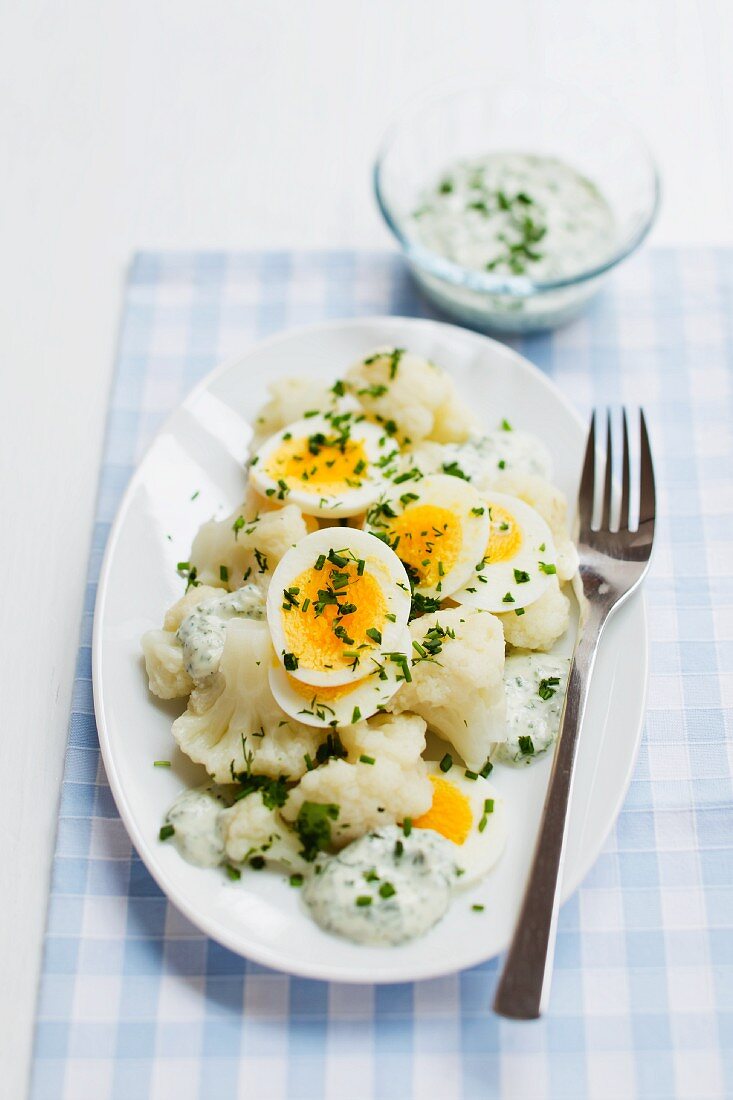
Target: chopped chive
366,759
446,763
547,568
488,805
363,900
166,831
486,770
470,775
526,746
386,890
233,872
407,826
257,863
161,763
519,611
478,908
296,880
223,573
374,634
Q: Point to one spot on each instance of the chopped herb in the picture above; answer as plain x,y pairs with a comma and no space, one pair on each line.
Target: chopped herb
477,908
507,598
313,826
257,863
166,831
386,890
223,573
519,611
488,805
398,848
446,763
506,426
547,567
407,826
526,746
366,759
487,769
548,687
363,900
355,716
455,470
161,763
233,872
238,525
470,775
290,661
261,561
320,562
374,634
520,576
296,880
477,511
194,495
338,388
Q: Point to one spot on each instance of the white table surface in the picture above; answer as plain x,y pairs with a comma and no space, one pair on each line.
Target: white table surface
231,124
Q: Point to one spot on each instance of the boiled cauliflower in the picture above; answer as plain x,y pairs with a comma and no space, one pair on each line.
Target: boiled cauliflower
167,676
459,691
420,399
290,399
252,828
551,504
234,712
247,544
542,623
369,795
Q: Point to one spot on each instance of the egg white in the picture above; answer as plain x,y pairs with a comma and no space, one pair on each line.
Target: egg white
350,499
519,579
485,844
407,530
386,571
355,702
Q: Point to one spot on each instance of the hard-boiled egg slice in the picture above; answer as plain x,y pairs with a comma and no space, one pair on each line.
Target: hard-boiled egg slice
518,559
329,465
438,526
469,813
344,704
337,601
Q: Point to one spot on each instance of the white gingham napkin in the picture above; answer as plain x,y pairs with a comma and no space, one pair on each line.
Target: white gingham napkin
135,1002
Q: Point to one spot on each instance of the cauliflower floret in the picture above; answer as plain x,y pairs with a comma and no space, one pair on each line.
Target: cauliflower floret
235,711
418,397
459,693
551,504
167,677
247,544
251,828
542,623
368,795
290,399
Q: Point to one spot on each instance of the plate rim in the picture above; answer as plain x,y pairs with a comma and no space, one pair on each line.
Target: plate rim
262,955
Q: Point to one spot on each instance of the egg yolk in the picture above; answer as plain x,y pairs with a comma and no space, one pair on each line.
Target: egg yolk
319,465
340,607
450,814
505,536
430,540
321,694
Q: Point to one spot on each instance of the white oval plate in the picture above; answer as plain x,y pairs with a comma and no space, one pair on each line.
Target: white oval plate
202,447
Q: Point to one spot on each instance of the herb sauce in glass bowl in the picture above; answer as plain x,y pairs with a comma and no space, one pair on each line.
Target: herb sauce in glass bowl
516,214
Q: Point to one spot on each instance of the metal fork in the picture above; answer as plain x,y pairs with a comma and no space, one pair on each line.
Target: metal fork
612,566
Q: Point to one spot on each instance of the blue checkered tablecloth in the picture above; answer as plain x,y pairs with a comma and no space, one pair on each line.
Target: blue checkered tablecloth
134,1002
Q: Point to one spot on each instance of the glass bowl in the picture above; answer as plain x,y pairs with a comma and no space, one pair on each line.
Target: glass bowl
541,118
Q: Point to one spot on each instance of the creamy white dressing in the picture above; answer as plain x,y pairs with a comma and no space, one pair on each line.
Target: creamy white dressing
516,214
535,685
485,457
420,869
202,633
196,819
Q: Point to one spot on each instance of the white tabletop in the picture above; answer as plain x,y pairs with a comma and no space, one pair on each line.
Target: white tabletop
236,124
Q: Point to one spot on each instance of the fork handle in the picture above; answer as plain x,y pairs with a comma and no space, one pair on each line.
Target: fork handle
524,986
